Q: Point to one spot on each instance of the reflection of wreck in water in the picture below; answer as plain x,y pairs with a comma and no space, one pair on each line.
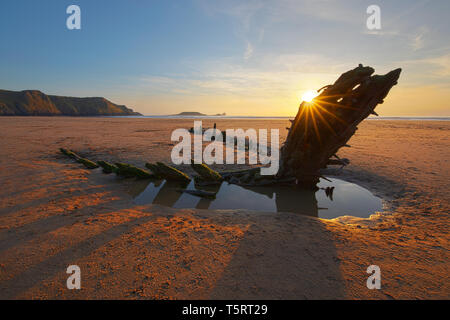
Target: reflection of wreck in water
205,203
305,202
285,199
168,195
288,199
349,199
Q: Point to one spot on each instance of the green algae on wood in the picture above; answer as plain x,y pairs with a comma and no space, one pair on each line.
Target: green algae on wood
107,167
206,173
155,169
128,170
86,162
170,173
69,153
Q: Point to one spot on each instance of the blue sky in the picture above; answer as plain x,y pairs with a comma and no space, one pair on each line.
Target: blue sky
240,57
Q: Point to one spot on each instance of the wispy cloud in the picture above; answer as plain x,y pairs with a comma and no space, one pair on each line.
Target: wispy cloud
277,57
418,39
273,76
438,66
248,51
382,32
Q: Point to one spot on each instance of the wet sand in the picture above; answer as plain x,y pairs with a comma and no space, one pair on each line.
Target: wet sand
54,213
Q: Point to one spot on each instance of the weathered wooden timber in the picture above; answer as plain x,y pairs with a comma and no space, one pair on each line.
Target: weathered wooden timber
325,124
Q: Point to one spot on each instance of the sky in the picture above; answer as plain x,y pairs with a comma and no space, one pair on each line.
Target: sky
246,57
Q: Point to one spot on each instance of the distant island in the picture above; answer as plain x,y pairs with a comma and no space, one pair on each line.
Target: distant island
197,114
36,103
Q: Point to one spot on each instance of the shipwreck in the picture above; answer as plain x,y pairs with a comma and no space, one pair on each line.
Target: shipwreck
321,127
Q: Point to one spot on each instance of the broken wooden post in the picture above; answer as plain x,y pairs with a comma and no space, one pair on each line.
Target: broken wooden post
69,153
128,170
86,162
206,173
325,124
164,171
107,167
200,193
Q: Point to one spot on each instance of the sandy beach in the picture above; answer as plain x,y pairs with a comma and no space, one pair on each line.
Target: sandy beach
55,213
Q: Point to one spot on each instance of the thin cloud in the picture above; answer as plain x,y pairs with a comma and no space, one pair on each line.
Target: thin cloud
418,40
248,51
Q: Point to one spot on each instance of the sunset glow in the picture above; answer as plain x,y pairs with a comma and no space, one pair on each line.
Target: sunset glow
309,95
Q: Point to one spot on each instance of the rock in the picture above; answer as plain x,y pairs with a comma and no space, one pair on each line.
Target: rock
36,103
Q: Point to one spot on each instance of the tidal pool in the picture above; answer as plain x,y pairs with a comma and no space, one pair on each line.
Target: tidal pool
346,198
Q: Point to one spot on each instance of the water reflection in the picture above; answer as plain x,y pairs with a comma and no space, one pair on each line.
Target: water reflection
334,199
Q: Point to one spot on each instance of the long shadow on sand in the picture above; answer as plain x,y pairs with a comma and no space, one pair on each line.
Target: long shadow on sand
17,235
289,257
9,289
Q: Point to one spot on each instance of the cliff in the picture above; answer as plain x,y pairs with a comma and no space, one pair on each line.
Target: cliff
36,103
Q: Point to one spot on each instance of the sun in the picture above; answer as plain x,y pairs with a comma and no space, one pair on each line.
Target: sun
309,95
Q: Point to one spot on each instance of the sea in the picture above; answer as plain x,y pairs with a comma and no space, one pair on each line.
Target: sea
274,118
